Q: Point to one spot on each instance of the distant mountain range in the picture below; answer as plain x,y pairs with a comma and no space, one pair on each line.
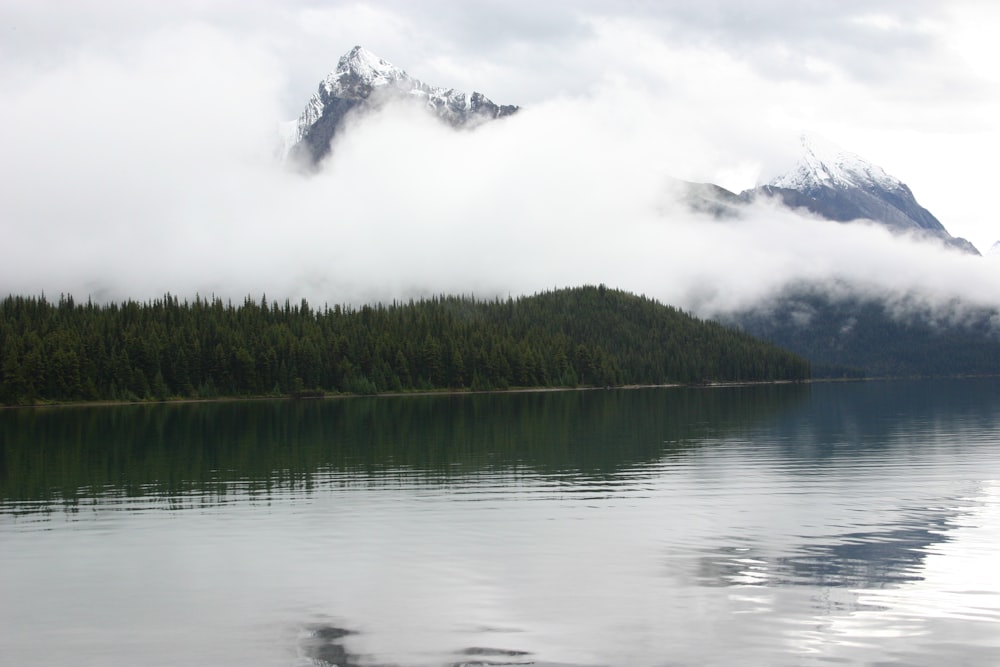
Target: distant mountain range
827,181
846,335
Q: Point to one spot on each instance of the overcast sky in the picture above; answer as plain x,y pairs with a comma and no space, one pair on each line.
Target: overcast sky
138,145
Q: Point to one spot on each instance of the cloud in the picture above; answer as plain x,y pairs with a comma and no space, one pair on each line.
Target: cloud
145,165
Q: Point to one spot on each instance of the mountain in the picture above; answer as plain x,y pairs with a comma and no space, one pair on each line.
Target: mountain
832,184
841,186
709,198
848,333
362,80
826,180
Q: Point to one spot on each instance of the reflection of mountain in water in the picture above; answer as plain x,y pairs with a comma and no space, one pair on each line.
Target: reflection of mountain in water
268,445
871,423
856,560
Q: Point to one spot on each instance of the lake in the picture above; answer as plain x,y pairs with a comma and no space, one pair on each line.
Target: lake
842,523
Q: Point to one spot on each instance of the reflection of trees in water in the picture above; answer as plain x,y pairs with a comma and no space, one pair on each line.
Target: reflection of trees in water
178,450
868,418
190,449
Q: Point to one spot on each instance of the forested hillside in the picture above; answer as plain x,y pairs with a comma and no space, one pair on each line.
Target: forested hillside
168,348
854,335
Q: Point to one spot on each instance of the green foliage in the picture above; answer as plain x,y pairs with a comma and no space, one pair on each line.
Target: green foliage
588,336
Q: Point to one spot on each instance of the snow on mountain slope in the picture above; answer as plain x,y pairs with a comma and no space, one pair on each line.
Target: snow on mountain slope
826,180
823,164
842,186
364,80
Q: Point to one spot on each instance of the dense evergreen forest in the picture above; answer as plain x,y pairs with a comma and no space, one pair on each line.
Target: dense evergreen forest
167,348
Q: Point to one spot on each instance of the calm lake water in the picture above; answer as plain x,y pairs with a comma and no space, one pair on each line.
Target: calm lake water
777,525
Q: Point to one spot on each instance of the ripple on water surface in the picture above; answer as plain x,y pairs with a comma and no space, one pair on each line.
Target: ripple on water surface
847,524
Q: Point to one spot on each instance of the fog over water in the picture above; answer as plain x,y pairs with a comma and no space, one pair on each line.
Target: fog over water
140,159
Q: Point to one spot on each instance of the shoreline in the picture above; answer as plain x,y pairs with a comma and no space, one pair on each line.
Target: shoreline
470,392
401,394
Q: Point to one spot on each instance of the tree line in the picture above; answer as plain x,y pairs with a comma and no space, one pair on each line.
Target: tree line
168,348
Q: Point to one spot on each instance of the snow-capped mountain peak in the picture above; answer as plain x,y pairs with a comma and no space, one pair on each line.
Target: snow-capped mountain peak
364,80
360,71
837,185
824,164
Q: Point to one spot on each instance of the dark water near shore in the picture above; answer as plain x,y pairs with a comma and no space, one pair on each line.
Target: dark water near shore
773,525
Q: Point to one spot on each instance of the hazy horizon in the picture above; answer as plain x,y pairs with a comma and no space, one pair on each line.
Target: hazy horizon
140,151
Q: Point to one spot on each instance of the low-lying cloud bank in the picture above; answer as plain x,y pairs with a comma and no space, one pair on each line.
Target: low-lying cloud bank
130,178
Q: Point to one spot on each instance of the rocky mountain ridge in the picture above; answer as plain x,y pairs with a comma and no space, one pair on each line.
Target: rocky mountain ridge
836,185
826,181
364,80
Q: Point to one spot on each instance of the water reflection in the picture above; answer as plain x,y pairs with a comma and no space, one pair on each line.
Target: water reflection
856,559
326,645
76,453
868,419
769,526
